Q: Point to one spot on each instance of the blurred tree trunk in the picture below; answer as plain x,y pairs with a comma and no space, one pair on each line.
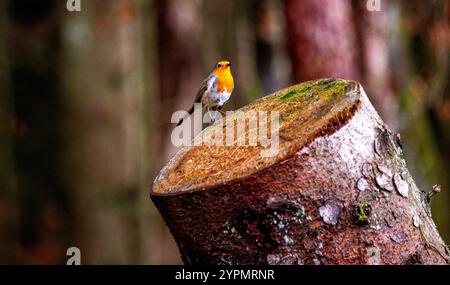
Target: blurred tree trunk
265,52
151,239
180,61
8,203
373,31
321,39
270,45
34,40
105,130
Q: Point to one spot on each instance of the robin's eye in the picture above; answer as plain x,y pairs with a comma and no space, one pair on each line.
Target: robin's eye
219,66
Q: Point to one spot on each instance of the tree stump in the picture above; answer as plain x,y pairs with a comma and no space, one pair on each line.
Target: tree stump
337,192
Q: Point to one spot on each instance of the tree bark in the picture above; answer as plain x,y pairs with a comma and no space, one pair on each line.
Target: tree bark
337,192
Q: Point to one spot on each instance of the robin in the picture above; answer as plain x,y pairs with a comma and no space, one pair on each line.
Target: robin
215,90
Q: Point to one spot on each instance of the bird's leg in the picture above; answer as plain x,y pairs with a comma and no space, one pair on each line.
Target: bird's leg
218,109
222,112
210,116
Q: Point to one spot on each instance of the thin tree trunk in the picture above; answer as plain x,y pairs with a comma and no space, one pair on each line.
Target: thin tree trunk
105,129
373,30
34,39
321,39
179,36
8,194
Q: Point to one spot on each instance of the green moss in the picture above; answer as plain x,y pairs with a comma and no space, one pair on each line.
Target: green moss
329,85
326,88
362,213
294,94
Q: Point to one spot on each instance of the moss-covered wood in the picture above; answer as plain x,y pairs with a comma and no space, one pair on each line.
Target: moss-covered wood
337,192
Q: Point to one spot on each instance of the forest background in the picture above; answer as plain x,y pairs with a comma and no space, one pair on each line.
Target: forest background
86,99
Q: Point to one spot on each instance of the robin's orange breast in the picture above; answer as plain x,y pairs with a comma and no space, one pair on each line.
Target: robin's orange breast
224,81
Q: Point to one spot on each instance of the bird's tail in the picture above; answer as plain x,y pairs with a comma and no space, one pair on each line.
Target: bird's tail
191,110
